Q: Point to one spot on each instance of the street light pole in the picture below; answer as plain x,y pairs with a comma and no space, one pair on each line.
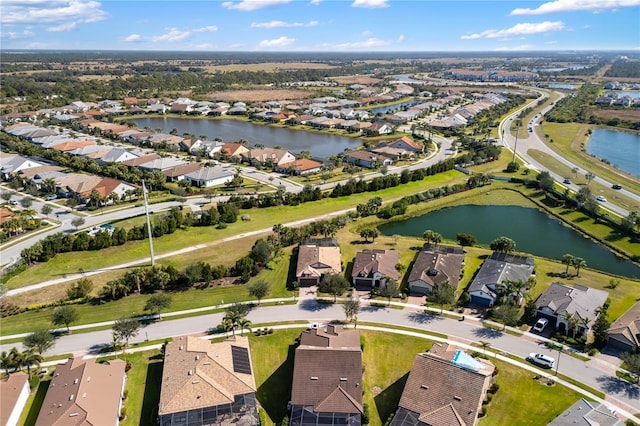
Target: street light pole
515,146
146,212
558,363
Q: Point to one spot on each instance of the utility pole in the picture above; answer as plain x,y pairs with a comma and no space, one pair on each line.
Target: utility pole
558,362
515,146
146,212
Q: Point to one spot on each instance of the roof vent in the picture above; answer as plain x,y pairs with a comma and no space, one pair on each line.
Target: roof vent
75,382
89,379
197,357
73,415
457,398
314,377
343,379
71,397
424,387
190,372
180,348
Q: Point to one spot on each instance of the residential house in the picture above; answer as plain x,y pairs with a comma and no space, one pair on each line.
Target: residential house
371,268
210,176
587,413
206,383
71,145
301,166
161,164
316,258
435,265
117,155
268,157
234,149
13,163
157,108
107,186
76,184
209,147
560,302
84,393
624,333
407,144
135,162
180,108
15,392
5,215
445,387
327,378
498,268
178,172
366,159
379,128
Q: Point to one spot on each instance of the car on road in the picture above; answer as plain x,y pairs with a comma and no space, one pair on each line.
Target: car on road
616,186
541,360
540,325
51,197
567,181
14,202
601,199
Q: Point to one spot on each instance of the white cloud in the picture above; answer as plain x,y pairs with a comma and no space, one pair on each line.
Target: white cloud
250,5
400,38
171,36
276,43
370,4
208,29
315,2
63,12
559,6
366,33
519,29
10,35
132,38
62,27
370,42
282,24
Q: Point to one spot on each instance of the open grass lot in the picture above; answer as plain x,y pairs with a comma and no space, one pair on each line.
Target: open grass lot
143,388
519,394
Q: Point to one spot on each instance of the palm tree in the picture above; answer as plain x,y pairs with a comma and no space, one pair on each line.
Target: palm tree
31,358
244,323
567,259
578,263
6,361
228,325
484,345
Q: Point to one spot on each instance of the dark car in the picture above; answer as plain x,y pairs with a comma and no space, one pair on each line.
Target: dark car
616,186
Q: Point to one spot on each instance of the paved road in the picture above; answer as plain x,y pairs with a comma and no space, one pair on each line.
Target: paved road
532,141
618,391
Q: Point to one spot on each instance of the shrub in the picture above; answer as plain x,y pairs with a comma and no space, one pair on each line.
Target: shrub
365,414
494,388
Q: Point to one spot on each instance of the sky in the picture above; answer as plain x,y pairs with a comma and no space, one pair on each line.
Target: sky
321,25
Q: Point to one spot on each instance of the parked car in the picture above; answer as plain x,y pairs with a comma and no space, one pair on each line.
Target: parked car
51,197
616,186
14,202
567,181
601,199
540,325
541,360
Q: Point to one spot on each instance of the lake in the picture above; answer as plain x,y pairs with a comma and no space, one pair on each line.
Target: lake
621,149
562,86
295,141
393,108
533,231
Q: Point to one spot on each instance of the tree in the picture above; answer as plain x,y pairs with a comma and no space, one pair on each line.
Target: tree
77,222
466,239
589,177
156,303
431,236
351,308
46,209
567,259
508,314
633,363
578,263
530,310
389,289
259,289
6,195
124,329
227,325
601,327
40,340
64,315
484,345
244,323
333,284
545,180
26,202
503,245
31,358
367,233
442,294
81,289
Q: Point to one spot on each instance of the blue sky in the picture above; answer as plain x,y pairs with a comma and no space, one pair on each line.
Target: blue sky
321,25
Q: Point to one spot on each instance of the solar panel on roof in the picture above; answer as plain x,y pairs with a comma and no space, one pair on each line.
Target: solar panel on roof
240,358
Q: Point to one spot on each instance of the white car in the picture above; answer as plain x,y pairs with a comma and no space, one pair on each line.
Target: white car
541,360
601,199
540,325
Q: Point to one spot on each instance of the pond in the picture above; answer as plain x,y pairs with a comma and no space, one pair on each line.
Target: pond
295,141
393,108
533,231
562,86
621,149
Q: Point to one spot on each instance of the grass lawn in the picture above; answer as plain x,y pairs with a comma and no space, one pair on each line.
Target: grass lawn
519,393
143,388
34,403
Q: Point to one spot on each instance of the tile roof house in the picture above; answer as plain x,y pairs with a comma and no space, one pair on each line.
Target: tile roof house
317,257
208,383
5,215
327,377
624,333
499,267
301,166
366,159
234,149
372,267
266,156
15,392
434,265
177,173
13,163
379,128
76,184
135,162
586,413
445,387
84,393
559,302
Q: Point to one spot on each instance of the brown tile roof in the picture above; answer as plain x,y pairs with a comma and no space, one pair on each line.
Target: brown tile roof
32,171
199,374
5,215
78,183
105,187
627,327
130,101
233,148
368,262
181,170
71,145
446,260
134,162
302,164
408,141
327,372
83,393
435,382
315,260
11,388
